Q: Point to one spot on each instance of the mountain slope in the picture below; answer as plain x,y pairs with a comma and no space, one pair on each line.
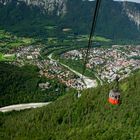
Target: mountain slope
21,85
46,5
117,20
89,117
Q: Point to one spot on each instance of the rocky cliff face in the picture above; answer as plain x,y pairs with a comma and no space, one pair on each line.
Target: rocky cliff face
133,14
49,6
116,20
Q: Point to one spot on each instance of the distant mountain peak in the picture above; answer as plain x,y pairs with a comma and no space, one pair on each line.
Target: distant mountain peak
49,6
133,14
117,20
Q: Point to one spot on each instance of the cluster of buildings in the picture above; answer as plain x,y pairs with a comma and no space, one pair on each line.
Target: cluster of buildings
49,68
109,62
44,86
74,55
28,53
54,70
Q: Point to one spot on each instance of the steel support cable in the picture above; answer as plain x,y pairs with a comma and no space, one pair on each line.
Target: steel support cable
92,32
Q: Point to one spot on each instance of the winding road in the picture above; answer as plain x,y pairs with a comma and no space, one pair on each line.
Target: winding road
88,82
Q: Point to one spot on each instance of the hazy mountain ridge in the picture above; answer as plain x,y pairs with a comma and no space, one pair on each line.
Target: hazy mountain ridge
133,14
48,6
117,20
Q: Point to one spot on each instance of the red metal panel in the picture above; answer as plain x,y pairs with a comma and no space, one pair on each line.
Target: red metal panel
113,101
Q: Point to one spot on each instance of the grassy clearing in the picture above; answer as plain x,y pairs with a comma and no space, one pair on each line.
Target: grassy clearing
102,39
96,38
50,27
10,41
7,57
1,56
78,65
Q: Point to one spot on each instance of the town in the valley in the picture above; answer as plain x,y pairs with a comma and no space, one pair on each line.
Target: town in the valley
109,62
106,62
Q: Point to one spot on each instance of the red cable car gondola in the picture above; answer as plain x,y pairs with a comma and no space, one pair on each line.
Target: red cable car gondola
114,97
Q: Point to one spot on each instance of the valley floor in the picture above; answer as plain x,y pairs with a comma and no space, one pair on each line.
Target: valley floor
89,83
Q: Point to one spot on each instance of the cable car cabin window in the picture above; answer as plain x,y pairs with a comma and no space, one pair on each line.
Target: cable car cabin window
116,97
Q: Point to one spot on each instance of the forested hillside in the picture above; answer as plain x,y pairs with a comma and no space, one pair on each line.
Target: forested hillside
21,85
86,118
